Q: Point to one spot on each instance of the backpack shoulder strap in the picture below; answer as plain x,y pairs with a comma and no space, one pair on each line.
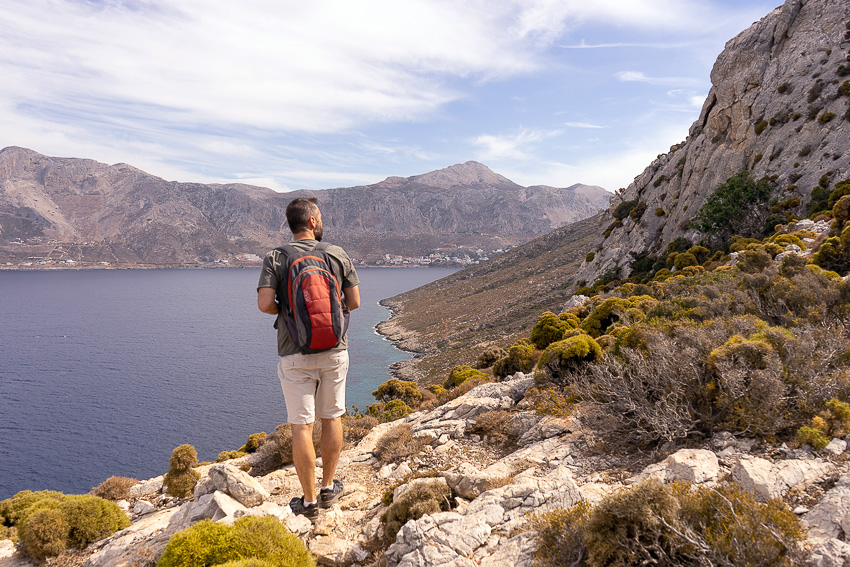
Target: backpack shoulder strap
322,246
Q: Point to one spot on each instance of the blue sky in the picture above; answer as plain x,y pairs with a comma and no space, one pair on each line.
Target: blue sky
320,94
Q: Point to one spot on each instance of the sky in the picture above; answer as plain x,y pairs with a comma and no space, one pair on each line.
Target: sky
321,94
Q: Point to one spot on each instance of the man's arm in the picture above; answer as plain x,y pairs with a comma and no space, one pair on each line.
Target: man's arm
266,300
351,296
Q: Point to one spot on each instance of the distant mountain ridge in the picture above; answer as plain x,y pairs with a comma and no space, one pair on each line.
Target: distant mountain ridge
60,209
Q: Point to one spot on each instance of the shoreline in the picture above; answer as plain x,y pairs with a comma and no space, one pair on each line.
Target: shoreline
403,339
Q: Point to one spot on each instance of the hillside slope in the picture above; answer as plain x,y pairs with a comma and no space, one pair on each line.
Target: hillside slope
779,106
58,209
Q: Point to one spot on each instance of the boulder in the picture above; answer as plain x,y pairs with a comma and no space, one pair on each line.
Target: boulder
147,488
697,466
466,481
445,538
238,484
143,507
517,551
836,446
143,540
768,480
829,553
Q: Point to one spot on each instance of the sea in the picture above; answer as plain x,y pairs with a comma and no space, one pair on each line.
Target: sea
105,372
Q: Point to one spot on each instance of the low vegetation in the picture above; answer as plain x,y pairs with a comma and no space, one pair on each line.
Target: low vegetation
180,480
47,523
657,524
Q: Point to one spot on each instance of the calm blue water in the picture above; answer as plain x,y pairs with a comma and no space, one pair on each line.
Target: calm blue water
105,372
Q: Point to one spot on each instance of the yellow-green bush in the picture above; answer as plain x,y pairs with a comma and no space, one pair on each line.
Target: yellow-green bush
261,538
564,357
489,357
550,401
228,455
389,411
833,421
420,500
44,533
559,536
548,329
519,359
250,562
180,480
115,488
461,374
254,442
395,389
50,522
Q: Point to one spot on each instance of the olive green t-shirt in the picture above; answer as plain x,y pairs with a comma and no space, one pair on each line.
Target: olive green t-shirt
272,273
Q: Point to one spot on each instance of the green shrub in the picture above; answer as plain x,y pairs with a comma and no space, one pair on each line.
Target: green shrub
115,488
180,480
519,359
497,427
826,117
637,211
395,389
684,260
550,401
398,444
389,411
461,374
420,500
44,533
249,538
659,212
760,126
844,89
589,257
834,253
90,519
622,210
251,562
735,207
548,329
489,357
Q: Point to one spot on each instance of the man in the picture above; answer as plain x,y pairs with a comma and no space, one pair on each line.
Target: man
313,384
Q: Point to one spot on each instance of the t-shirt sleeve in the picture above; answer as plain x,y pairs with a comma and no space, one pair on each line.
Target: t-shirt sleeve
349,274
268,274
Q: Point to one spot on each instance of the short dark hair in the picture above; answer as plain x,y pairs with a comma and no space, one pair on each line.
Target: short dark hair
299,211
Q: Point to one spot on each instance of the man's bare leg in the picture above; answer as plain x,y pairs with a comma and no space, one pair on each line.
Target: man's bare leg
304,458
331,448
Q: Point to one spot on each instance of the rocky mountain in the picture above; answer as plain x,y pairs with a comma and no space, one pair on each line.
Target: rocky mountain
60,209
779,106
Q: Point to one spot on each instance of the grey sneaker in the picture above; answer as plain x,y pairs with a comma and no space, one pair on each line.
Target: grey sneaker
310,512
327,496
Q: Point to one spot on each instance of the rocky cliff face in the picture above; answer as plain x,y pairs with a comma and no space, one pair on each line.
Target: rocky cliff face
65,208
779,106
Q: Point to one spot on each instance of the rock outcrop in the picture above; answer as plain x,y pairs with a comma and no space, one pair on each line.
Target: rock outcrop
779,106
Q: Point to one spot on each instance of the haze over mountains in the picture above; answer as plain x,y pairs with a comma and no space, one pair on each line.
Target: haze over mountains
55,210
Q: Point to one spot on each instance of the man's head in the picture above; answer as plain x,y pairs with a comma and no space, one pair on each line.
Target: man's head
302,215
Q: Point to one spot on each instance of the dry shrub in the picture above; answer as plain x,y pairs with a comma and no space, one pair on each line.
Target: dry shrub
356,427
489,357
254,442
443,396
276,450
420,500
395,389
550,401
674,525
398,444
497,427
115,488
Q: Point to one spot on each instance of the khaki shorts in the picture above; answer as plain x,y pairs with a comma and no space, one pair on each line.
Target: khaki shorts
313,385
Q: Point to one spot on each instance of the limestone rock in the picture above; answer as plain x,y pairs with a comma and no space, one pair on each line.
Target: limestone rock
143,507
767,480
516,551
144,539
466,481
690,465
333,551
836,446
830,518
829,553
446,538
238,484
147,488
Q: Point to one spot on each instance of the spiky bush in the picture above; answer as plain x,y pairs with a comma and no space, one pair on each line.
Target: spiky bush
389,411
497,426
398,444
420,500
548,329
258,538
560,535
395,389
180,480
489,357
90,519
356,427
461,374
254,442
228,455
115,488
276,450
519,359
16,508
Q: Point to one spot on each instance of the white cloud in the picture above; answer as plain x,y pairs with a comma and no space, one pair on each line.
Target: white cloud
516,146
583,125
640,77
